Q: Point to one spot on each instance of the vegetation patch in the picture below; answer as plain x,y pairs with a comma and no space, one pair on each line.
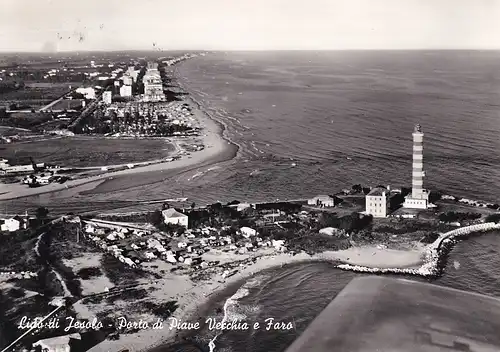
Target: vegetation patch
89,273
161,310
128,295
119,273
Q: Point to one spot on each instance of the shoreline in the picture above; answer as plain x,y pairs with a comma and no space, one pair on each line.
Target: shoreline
194,299
196,311
199,107
217,148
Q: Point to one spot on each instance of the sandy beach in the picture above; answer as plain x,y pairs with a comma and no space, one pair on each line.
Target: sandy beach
192,296
379,257
215,147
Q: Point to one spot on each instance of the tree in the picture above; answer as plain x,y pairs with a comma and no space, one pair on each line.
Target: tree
193,205
41,213
156,217
434,196
357,188
328,220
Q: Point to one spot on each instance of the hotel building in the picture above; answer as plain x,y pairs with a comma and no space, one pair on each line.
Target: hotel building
153,86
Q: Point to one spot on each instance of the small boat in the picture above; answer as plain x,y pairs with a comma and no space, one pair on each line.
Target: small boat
293,164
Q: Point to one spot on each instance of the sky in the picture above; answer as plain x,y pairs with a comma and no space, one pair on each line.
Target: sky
82,25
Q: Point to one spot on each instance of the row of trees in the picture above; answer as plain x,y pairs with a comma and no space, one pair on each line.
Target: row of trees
350,223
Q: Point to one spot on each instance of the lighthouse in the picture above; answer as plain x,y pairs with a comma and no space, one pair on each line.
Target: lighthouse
419,197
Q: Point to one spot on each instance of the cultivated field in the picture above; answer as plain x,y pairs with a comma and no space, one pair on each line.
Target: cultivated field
88,151
35,94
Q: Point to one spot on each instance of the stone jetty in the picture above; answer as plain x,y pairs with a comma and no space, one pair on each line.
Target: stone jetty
433,256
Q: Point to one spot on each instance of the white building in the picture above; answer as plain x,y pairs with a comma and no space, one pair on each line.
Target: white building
127,80
242,206
377,202
107,97
331,231
126,91
153,86
172,216
18,169
321,201
134,75
57,344
419,197
13,224
88,92
248,232
130,70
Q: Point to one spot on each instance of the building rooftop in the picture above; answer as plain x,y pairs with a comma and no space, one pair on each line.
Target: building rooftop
172,213
378,191
323,196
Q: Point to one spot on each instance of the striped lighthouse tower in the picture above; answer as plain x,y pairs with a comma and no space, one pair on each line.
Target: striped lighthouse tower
419,196
417,176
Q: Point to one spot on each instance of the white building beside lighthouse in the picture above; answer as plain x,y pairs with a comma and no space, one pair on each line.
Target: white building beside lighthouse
377,202
419,197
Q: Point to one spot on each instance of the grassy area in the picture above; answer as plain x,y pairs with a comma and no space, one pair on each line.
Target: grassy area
26,119
43,92
7,131
16,252
445,206
51,85
87,151
118,273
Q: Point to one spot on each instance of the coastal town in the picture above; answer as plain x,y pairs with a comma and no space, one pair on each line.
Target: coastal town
162,263
121,101
142,266
212,176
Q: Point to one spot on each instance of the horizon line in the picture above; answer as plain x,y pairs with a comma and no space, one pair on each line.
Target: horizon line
237,50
